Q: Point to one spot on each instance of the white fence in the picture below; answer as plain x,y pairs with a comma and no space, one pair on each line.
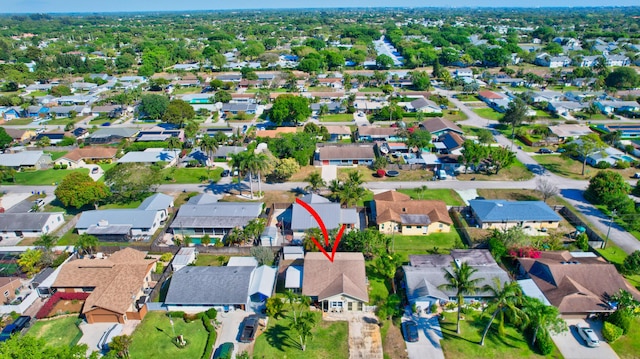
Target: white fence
22,307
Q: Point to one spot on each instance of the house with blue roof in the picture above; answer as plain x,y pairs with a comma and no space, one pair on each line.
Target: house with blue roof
502,214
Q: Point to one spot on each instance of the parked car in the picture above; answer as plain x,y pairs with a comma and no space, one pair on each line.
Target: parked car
249,329
410,331
224,351
442,174
225,173
545,150
95,170
22,322
39,202
636,175
589,336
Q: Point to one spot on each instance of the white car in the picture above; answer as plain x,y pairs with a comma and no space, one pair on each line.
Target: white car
589,336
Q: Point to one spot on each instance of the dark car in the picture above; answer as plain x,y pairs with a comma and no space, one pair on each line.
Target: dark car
410,331
225,173
249,329
224,351
544,150
15,327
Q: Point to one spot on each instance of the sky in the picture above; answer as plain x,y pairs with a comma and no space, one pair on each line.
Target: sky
52,6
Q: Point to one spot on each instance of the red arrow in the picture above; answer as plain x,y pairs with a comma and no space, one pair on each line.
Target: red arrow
323,228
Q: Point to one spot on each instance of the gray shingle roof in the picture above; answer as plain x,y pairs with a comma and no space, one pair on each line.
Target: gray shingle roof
25,158
156,202
331,213
134,217
33,221
500,210
216,215
210,286
147,157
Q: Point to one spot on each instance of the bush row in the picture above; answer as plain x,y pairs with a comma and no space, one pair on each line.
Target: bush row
58,296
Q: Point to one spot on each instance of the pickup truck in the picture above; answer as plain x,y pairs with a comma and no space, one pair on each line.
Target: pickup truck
249,329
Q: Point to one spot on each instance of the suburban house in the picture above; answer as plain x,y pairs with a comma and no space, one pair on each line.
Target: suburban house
395,212
117,285
150,156
448,143
630,131
546,60
576,283
332,107
8,287
565,108
338,133
336,286
183,258
111,111
31,224
504,214
20,135
545,96
127,224
610,107
196,289
234,108
111,135
26,160
608,154
496,101
370,133
203,215
616,60
423,105
344,155
440,126
79,157
425,274
54,137
160,134
331,213
566,132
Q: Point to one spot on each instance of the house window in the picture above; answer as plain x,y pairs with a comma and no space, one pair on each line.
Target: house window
440,225
550,222
6,294
350,306
418,227
336,305
382,226
408,227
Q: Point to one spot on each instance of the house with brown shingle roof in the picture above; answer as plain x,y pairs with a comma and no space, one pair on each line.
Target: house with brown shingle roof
395,212
117,285
335,286
344,155
275,133
440,126
576,285
80,156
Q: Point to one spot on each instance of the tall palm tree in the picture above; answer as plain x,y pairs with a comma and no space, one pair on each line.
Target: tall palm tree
305,323
315,182
210,146
506,302
239,162
46,243
542,318
86,243
257,163
174,143
459,280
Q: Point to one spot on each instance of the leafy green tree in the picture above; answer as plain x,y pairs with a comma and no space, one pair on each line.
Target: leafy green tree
387,265
623,78
275,308
390,307
300,146
79,189
384,62
631,264
370,242
154,106
515,114
29,261
501,157
30,347
120,345
289,108
608,188
86,243
420,80
222,96
419,138
460,281
178,112
585,146
131,181
542,317
5,139
60,90
285,168
264,255
505,304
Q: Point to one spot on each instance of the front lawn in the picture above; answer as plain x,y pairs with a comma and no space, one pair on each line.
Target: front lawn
488,113
43,177
628,346
563,166
454,115
56,154
153,338
447,195
427,244
465,345
517,172
616,256
60,331
329,340
190,175
338,117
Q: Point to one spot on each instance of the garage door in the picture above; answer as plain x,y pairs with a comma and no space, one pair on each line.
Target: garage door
103,318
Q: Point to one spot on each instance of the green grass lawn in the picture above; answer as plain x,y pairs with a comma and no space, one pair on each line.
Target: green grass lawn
562,166
488,113
454,115
190,175
61,331
628,346
43,177
98,121
213,260
517,172
63,121
153,338
465,345
38,93
378,285
329,341
186,90
129,205
338,117
370,89
20,121
448,196
56,154
406,245
616,255
467,98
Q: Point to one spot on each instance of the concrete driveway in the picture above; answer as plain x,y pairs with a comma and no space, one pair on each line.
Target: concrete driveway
365,340
229,330
572,346
429,336
93,333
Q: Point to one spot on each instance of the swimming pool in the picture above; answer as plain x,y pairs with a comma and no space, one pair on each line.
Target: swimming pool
627,158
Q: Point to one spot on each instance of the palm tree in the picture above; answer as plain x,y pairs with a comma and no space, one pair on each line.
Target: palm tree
174,143
46,243
421,190
505,303
210,146
254,228
459,280
542,317
307,243
305,323
86,243
239,162
257,163
323,110
315,182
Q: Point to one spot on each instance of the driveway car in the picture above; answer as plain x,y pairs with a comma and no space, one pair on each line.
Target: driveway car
22,322
410,331
224,351
545,150
589,336
225,173
249,329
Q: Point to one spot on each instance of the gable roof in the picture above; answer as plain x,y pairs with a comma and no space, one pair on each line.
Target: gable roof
346,152
499,210
331,213
440,124
113,279
26,222
345,275
91,152
407,211
575,284
217,215
156,202
209,286
133,217
24,158
377,131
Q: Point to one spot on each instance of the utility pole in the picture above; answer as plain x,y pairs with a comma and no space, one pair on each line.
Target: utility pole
606,241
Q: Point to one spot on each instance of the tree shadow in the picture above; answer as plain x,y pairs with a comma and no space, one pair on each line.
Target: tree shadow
278,337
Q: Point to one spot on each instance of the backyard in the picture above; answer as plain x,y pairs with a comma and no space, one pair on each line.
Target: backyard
466,344
329,340
153,338
488,113
429,244
447,195
190,175
59,331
